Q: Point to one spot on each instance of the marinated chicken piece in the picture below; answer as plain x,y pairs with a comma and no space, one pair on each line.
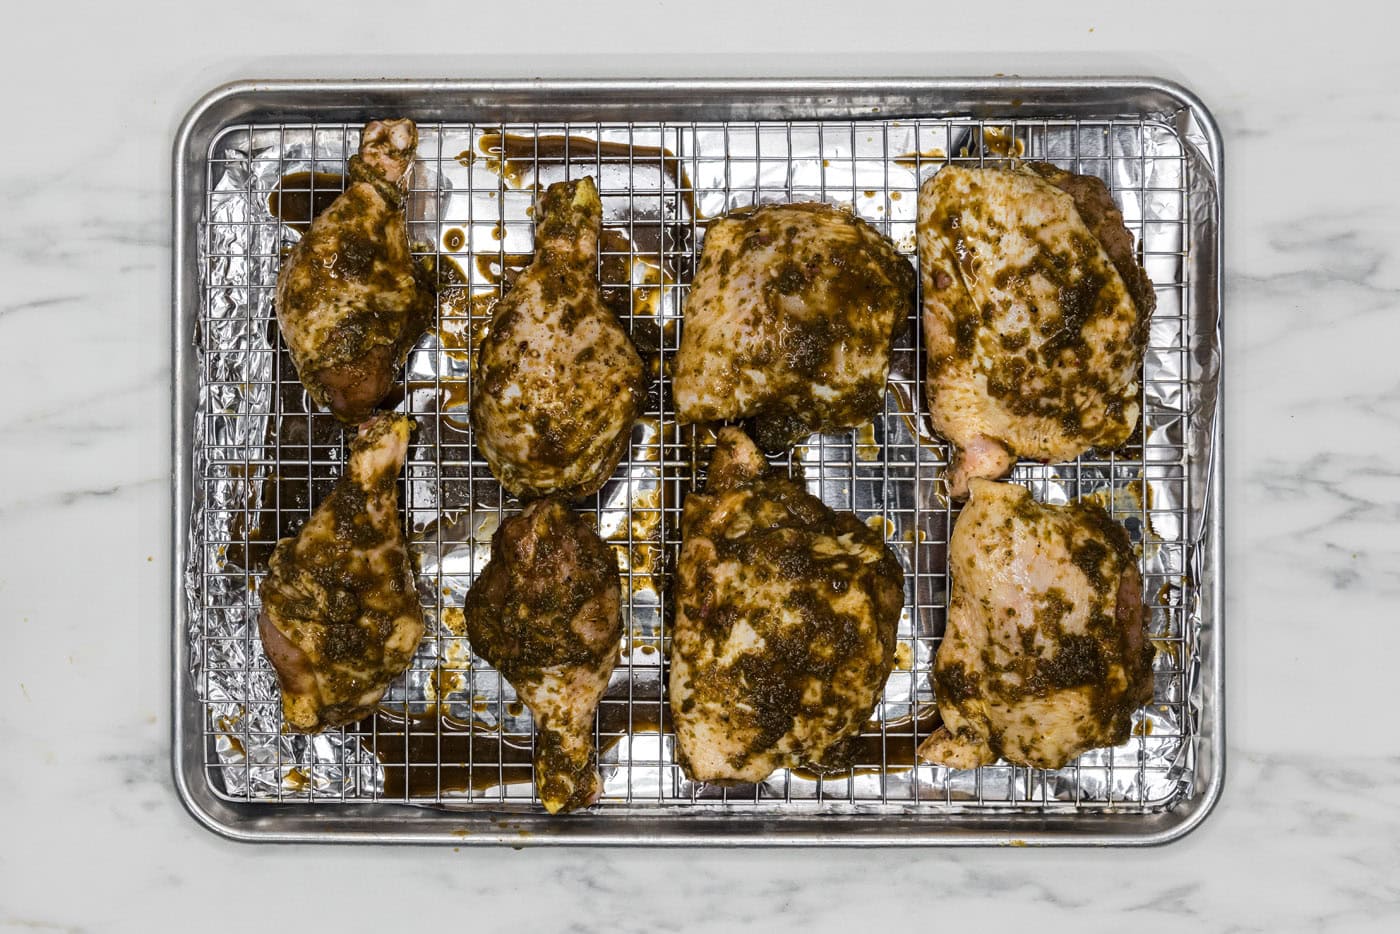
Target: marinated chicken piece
786,614
558,382
1035,316
1045,654
340,614
545,612
790,320
350,302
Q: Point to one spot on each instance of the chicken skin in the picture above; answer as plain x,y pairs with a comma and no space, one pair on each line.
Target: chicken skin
350,302
1045,654
546,613
1035,316
340,614
790,321
558,381
786,613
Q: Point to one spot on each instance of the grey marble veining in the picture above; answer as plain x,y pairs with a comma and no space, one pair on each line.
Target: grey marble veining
1307,837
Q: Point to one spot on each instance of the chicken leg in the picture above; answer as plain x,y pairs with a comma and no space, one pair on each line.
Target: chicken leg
558,382
350,302
545,612
340,613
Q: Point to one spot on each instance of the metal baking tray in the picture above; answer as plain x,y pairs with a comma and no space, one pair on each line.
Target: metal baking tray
446,759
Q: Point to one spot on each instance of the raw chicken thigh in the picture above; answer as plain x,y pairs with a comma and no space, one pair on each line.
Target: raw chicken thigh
786,613
790,321
1045,654
1035,316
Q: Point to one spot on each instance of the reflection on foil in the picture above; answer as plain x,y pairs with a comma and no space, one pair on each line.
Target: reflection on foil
451,728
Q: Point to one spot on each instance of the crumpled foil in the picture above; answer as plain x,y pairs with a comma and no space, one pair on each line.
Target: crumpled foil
451,730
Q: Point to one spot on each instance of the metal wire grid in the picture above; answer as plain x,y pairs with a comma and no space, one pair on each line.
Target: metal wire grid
264,457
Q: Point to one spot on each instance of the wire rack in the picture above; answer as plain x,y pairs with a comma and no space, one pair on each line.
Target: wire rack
451,731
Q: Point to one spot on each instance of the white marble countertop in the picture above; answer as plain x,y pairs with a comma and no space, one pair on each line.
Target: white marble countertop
92,836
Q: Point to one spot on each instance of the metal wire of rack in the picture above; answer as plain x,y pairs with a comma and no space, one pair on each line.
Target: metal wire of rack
452,731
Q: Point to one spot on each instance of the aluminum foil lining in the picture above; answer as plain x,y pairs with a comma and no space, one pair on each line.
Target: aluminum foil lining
451,730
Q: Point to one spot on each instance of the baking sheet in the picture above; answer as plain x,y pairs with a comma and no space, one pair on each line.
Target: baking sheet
451,738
